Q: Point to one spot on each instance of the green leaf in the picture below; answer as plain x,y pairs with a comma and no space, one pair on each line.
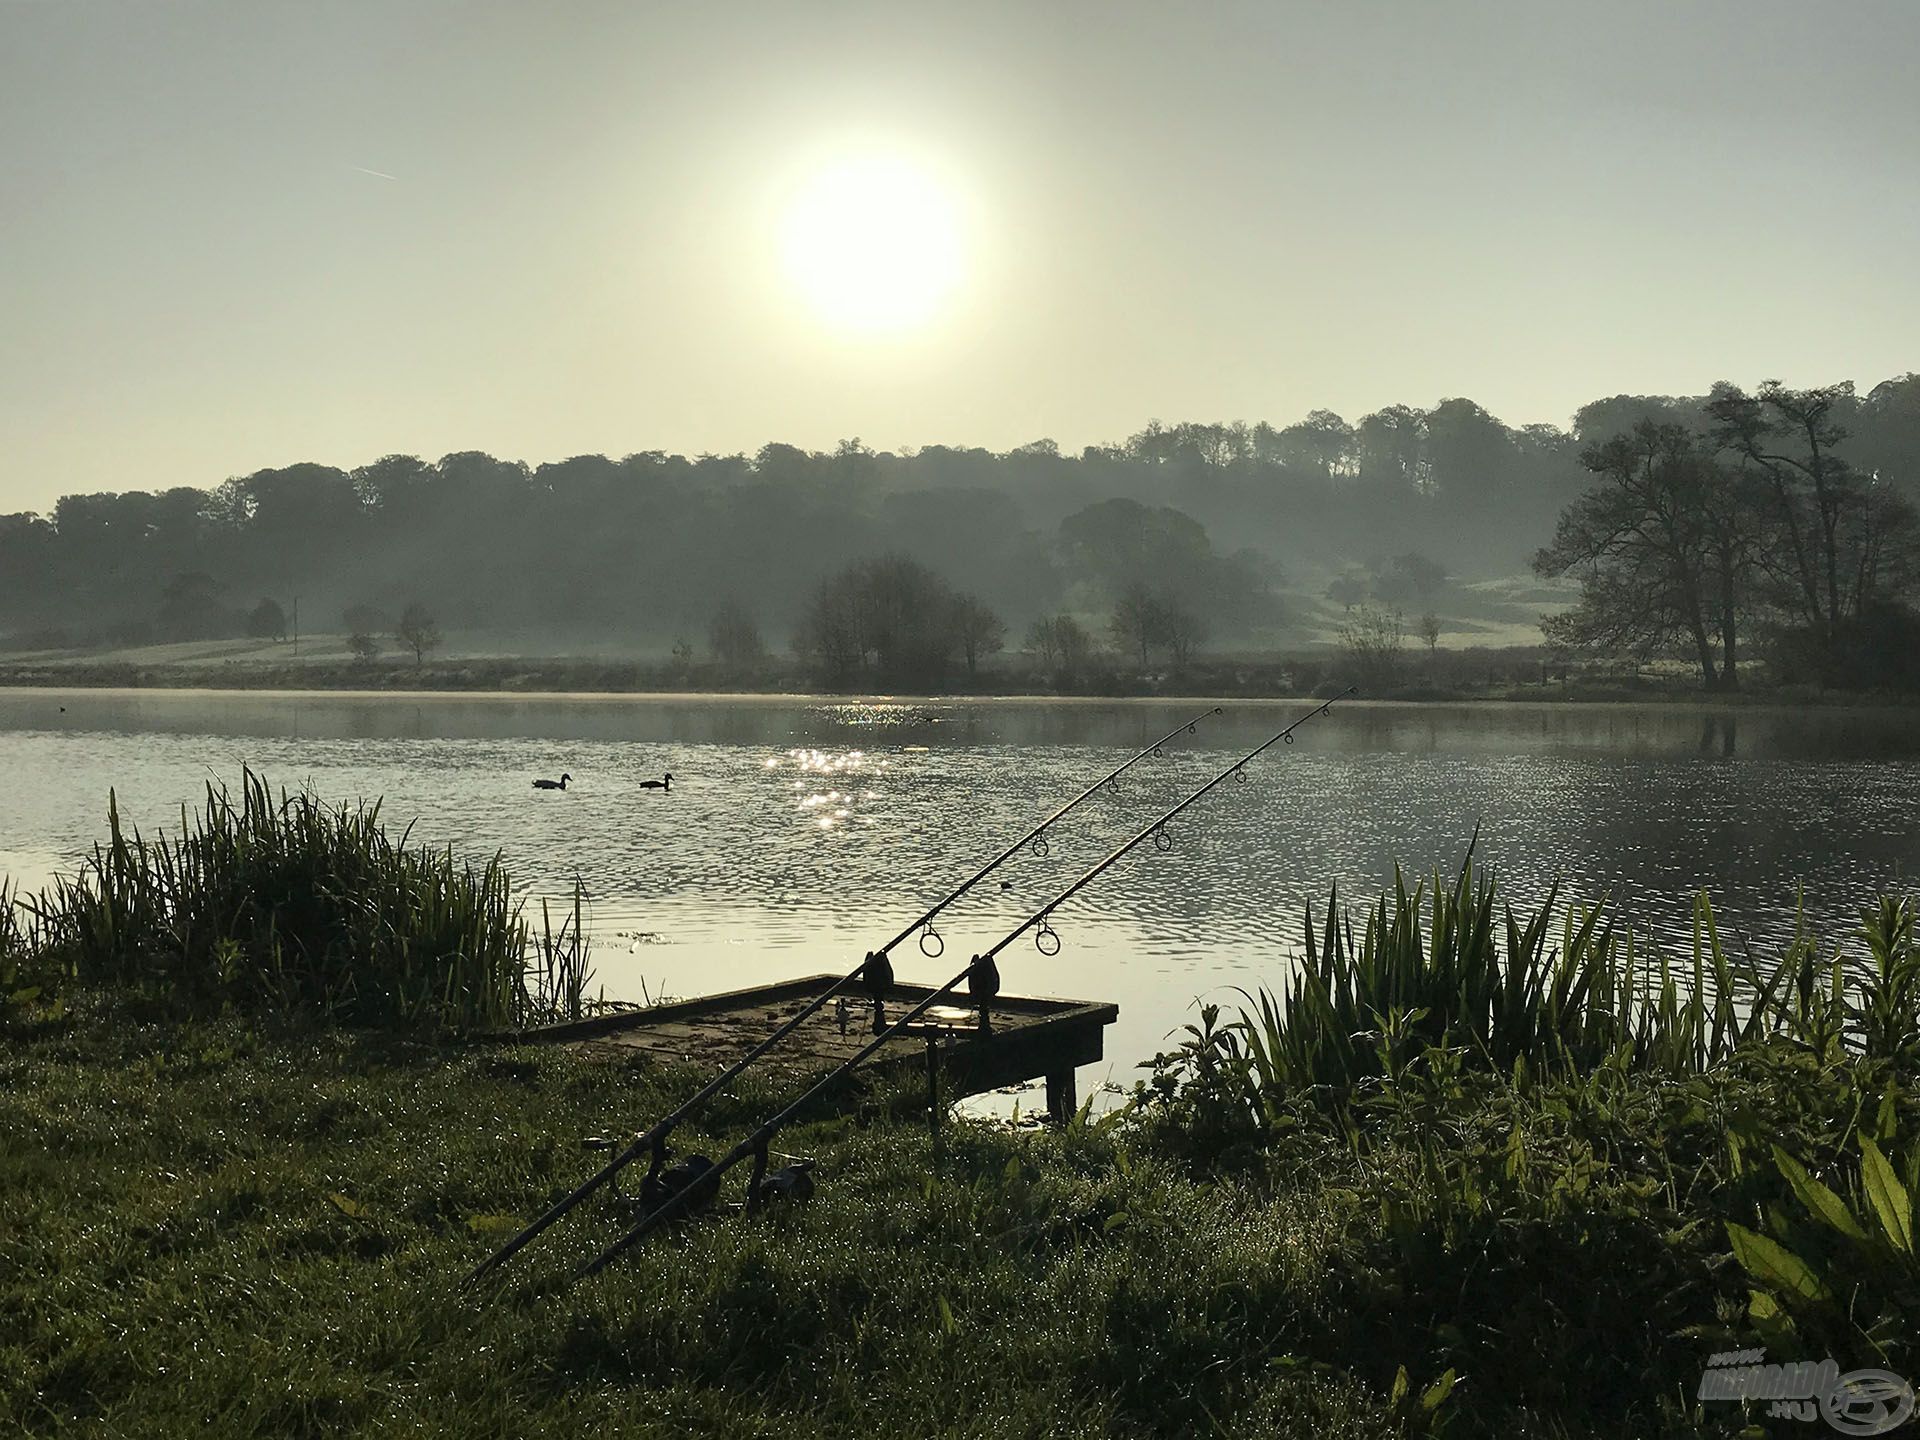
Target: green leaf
1436,1394
351,1209
1114,1221
1885,1120
1400,1387
1819,1199
1771,1263
1769,1321
947,1322
1888,1196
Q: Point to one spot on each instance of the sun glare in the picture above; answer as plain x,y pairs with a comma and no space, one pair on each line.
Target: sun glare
873,243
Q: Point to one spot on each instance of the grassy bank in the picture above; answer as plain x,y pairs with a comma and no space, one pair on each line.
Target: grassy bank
1472,1173
216,1227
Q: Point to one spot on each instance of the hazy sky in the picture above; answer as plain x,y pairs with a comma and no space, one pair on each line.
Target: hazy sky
235,235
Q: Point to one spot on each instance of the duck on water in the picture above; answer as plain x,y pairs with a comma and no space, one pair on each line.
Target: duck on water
559,784
666,784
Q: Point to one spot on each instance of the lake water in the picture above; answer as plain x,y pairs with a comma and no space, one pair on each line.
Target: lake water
800,832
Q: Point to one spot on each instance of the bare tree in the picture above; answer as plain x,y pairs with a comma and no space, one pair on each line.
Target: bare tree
1371,639
1062,646
1136,621
1043,639
1181,631
892,618
1429,631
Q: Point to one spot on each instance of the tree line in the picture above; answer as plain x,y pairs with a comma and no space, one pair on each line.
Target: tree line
1189,532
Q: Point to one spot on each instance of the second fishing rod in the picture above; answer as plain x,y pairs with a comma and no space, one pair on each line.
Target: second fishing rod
874,974
982,979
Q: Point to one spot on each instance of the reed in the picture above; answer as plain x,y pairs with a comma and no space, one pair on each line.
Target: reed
13,941
1453,968
20,980
280,903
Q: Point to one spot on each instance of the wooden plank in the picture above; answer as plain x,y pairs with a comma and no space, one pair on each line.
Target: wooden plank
1031,1036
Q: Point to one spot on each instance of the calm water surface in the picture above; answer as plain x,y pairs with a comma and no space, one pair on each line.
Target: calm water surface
800,832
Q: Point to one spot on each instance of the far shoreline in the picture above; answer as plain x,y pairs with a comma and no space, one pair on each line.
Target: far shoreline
173,687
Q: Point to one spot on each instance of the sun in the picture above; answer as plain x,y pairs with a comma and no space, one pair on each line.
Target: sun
873,243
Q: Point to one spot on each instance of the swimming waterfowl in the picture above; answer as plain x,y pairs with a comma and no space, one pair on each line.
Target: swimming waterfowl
559,784
666,784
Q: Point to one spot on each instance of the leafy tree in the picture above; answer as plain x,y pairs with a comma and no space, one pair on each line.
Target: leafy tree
1837,539
364,625
979,631
191,608
1349,588
1409,579
1392,451
1661,545
267,621
1429,631
1323,443
734,637
418,631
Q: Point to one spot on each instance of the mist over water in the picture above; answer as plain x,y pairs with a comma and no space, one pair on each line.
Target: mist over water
800,832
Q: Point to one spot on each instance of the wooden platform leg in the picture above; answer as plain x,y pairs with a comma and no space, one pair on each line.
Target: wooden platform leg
1061,1100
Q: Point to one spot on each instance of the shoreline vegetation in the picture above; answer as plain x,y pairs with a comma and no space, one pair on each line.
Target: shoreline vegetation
1461,676
1467,1171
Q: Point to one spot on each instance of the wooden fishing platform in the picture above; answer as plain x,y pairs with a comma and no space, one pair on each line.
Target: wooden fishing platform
1031,1037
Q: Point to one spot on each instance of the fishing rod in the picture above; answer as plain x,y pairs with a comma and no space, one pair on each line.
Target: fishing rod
875,969
982,978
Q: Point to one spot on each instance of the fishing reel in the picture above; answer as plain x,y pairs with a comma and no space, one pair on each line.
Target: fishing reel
791,1182
983,983
687,1185
876,978
686,1181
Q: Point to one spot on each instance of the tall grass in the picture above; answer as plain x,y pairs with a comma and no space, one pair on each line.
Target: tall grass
1454,969
18,979
281,903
